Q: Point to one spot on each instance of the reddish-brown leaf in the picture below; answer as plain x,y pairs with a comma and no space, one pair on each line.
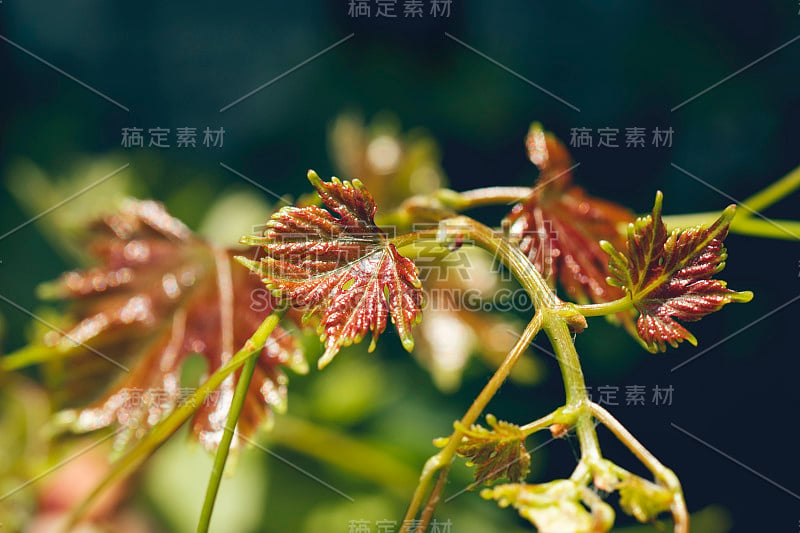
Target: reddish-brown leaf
341,269
158,295
559,227
668,275
395,165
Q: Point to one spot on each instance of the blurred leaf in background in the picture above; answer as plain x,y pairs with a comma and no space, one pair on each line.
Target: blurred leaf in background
395,165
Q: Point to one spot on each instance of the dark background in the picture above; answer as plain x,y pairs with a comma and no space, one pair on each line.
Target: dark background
623,64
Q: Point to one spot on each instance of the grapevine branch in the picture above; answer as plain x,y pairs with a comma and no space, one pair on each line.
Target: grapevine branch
554,317
339,266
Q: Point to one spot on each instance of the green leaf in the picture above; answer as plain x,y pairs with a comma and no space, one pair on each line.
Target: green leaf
556,507
642,499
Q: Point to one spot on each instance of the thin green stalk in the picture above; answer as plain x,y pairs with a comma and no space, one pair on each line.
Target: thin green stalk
746,223
542,423
408,239
473,232
772,229
743,224
33,354
221,457
433,500
484,196
774,192
444,203
446,455
167,427
522,268
605,308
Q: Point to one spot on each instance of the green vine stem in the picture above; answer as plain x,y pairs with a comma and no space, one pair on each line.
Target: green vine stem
558,332
167,427
484,196
221,457
554,317
436,495
745,224
546,421
472,231
605,308
33,355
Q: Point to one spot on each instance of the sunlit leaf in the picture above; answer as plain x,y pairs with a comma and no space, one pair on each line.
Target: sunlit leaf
341,270
669,275
393,165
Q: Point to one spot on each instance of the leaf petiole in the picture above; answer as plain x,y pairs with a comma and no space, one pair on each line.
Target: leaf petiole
606,308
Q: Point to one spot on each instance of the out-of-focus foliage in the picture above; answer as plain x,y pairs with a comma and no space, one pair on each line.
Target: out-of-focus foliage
24,411
395,165
157,295
89,189
392,164
178,469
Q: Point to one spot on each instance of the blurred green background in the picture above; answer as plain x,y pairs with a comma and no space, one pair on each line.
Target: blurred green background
623,64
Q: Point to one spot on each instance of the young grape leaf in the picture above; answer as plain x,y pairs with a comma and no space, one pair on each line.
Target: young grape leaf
394,165
341,270
158,295
559,226
669,275
556,507
497,453
642,499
